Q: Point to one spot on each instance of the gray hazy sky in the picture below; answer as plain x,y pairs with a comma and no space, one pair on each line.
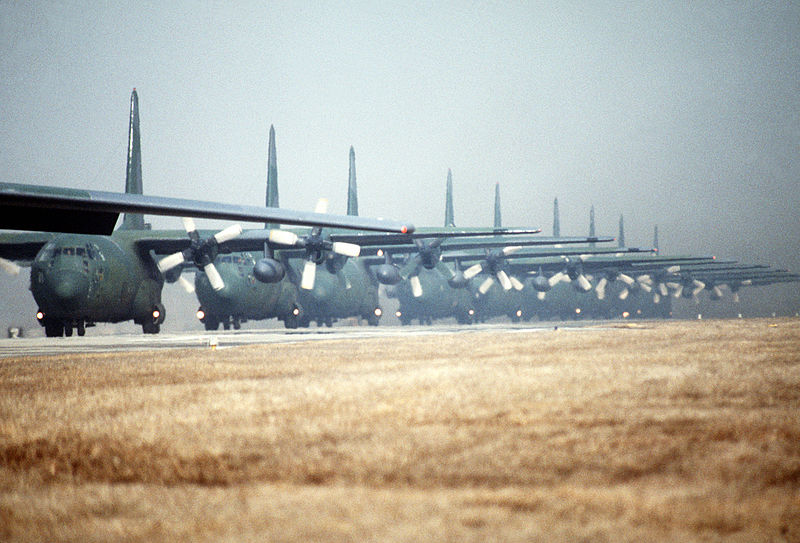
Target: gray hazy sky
685,115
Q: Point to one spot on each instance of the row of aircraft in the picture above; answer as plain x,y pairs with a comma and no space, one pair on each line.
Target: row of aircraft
83,271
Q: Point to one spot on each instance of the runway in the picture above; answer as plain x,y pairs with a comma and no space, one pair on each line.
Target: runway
40,346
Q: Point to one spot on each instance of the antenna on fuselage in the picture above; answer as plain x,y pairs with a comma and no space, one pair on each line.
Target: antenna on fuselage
592,231
621,237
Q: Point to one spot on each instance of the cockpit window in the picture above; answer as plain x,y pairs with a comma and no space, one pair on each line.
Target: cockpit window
45,253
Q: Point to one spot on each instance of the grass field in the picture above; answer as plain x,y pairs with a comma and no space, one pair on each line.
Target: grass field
669,431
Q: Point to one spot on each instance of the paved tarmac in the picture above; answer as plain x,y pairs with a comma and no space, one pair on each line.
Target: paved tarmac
41,346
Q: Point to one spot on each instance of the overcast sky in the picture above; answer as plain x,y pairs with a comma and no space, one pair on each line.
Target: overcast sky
685,115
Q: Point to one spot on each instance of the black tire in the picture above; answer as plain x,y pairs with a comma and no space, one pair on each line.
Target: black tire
53,328
150,327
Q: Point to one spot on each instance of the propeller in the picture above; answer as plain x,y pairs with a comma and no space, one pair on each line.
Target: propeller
316,246
573,272
492,265
186,284
428,256
9,267
201,252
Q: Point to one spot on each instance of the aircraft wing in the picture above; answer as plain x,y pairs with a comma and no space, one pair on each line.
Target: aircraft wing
59,209
383,240
634,263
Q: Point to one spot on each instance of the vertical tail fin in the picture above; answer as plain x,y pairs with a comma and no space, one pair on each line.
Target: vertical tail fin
621,237
272,174
592,231
352,189
449,220
556,220
655,238
498,221
133,174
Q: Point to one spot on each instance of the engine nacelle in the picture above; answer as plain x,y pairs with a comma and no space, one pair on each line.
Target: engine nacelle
387,274
540,283
268,270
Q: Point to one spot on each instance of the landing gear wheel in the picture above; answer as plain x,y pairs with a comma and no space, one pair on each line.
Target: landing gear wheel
291,321
53,328
68,330
150,327
211,323
81,328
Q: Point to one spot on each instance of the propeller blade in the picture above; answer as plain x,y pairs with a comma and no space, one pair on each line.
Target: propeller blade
228,234
282,237
346,249
186,284
656,297
505,282
472,271
678,291
646,287
600,289
627,279
717,291
584,283
624,294
322,206
416,287
169,262
309,275
486,285
213,276
674,269
9,267
698,289
188,225
516,283
556,278
541,295
662,289
645,279
736,297
511,249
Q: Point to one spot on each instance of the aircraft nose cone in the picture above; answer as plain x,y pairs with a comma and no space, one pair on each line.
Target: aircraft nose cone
68,287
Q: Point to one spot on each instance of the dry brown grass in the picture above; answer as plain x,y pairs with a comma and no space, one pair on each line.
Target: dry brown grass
675,431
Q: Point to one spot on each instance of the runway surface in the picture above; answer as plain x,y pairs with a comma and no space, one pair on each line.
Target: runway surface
185,340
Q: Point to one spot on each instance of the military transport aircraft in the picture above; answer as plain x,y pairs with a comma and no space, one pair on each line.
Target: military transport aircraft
432,290
89,273
330,282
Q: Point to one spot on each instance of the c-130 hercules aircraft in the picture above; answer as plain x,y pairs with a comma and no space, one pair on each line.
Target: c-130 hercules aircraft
83,271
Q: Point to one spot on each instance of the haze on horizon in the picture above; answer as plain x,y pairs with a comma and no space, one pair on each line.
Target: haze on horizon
676,114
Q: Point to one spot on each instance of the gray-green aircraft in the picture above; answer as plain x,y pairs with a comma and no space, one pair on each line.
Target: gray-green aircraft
432,290
89,273
330,280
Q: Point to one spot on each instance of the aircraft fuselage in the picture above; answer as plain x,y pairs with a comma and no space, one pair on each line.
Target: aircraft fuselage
79,280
